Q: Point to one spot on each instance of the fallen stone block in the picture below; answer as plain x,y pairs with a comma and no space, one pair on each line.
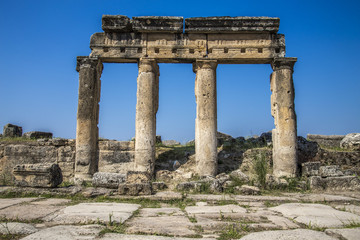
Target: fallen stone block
108,180
37,175
330,171
37,135
189,186
239,175
351,141
157,186
310,169
138,177
135,189
335,183
248,190
11,130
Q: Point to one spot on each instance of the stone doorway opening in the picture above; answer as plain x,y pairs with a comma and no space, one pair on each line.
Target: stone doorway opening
177,107
118,101
243,100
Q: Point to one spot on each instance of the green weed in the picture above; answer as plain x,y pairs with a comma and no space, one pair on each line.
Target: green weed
232,232
260,168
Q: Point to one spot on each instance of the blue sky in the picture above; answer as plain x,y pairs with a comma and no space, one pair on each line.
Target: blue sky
40,41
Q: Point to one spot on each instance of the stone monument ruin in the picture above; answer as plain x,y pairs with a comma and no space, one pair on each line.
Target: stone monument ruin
205,43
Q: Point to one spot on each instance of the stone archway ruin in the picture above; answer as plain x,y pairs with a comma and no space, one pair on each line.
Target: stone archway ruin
204,42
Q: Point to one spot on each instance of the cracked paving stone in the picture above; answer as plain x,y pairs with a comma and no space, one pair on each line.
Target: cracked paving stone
316,215
68,232
94,212
297,234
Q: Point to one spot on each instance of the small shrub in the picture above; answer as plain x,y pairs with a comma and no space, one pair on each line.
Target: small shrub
231,232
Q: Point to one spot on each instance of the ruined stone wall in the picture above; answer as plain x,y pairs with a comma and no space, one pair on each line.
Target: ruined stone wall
326,140
114,156
60,151
118,156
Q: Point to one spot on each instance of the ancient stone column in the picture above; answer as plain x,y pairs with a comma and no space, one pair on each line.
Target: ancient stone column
146,108
283,110
206,117
87,132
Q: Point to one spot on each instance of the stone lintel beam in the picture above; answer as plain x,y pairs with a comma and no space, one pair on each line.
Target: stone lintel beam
206,117
120,23
116,23
158,24
86,160
283,111
231,24
146,108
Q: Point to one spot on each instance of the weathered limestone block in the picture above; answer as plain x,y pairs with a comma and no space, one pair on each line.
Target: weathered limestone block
138,177
116,23
37,175
307,150
158,24
116,156
11,130
330,171
170,142
231,24
108,180
343,183
87,118
189,186
158,186
310,169
206,117
146,109
283,110
248,190
238,174
135,189
351,141
37,135
326,140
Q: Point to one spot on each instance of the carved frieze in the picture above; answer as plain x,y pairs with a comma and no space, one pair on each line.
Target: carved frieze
227,39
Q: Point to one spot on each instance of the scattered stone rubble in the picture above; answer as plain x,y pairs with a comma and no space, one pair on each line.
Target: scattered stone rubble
351,141
330,177
324,169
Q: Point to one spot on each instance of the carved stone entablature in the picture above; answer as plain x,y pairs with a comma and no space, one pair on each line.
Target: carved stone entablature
231,24
225,39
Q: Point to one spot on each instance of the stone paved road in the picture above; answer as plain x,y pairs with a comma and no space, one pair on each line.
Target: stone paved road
294,216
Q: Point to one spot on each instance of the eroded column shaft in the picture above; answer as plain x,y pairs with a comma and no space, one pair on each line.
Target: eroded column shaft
206,118
87,132
283,111
146,108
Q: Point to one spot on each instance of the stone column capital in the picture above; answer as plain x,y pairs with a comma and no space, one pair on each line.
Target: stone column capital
85,61
283,63
148,65
204,64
